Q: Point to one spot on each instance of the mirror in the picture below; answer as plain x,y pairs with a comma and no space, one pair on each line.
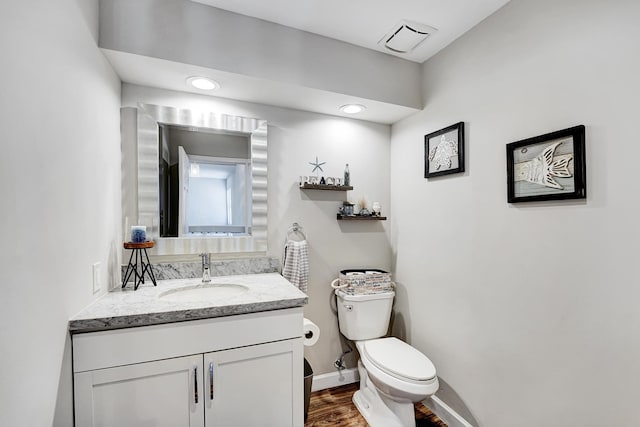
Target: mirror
205,182
201,180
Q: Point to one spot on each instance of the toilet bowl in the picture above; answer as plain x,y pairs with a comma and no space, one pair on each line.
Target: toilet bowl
397,369
393,374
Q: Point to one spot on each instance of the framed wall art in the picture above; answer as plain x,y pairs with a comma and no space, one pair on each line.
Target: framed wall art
547,167
444,151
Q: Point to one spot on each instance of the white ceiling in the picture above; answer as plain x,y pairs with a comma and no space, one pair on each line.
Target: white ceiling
365,22
359,22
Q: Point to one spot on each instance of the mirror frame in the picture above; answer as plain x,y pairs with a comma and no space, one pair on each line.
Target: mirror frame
148,117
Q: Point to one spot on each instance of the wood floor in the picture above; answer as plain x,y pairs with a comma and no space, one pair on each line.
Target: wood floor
333,407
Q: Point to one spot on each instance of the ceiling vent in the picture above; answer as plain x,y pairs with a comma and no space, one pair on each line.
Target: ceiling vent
406,36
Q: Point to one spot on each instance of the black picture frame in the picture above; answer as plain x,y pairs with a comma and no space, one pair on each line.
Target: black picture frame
547,167
444,151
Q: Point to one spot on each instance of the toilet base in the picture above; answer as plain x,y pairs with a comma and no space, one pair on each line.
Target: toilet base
380,410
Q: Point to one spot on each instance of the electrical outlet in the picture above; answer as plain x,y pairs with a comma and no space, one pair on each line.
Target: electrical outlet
97,277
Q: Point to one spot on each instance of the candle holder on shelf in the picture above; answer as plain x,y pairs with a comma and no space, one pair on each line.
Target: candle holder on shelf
138,234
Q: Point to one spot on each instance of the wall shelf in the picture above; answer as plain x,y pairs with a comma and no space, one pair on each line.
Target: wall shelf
326,187
360,218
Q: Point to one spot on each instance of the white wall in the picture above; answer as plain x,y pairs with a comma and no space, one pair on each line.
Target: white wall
60,192
528,311
295,139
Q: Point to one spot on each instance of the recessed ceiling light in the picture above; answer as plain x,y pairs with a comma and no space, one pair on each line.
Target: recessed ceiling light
352,108
203,83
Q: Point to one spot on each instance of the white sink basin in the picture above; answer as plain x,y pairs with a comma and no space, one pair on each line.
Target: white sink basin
203,292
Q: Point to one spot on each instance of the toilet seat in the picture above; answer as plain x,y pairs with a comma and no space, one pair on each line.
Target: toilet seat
394,385
398,359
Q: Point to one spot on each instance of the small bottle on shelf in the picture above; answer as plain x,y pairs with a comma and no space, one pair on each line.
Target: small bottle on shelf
347,175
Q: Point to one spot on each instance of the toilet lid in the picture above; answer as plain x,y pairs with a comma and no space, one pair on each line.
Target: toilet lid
399,359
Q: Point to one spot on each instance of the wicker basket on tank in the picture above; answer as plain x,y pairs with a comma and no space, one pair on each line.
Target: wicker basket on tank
364,281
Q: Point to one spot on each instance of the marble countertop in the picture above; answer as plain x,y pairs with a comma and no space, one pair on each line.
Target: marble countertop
128,308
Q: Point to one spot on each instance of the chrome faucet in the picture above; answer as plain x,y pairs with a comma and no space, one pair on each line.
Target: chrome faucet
206,276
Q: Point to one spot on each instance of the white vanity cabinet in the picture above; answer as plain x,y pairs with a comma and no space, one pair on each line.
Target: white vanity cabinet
160,393
244,370
252,386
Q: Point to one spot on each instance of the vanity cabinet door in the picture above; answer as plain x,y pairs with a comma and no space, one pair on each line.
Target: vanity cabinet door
164,393
255,386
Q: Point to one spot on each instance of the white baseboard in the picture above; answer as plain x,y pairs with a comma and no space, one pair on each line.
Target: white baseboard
335,379
445,412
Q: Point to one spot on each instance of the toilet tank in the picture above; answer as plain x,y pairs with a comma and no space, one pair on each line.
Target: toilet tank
364,317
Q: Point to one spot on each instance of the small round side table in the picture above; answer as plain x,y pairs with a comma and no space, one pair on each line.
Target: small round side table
138,267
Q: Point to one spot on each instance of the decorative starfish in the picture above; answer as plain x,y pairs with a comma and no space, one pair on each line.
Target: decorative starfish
317,165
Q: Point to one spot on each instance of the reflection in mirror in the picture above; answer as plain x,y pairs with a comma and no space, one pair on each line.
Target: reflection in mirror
201,180
205,182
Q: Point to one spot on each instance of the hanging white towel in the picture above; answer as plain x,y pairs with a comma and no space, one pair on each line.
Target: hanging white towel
296,264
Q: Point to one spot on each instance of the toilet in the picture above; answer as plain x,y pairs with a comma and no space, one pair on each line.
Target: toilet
393,375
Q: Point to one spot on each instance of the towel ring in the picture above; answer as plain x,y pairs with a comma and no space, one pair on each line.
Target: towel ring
296,229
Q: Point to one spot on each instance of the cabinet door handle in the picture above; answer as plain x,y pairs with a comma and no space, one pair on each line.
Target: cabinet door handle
211,380
195,384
